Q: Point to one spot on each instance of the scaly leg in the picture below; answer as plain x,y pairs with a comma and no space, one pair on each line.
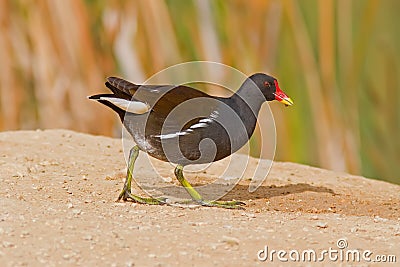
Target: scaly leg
199,199
126,191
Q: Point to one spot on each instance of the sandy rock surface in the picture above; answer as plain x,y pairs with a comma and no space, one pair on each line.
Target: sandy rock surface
57,207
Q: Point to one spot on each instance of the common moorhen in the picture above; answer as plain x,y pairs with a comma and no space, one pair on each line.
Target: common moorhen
182,125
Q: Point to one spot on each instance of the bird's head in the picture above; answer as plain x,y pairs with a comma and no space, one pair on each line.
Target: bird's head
270,88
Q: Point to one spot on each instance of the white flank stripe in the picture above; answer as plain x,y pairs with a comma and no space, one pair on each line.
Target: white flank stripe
199,125
171,135
205,120
166,136
136,107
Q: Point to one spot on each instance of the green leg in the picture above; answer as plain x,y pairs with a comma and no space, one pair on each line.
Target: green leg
199,199
126,191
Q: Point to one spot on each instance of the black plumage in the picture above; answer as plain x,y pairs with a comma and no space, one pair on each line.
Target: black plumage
185,126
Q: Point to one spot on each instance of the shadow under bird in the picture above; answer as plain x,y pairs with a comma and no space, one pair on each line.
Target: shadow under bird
185,126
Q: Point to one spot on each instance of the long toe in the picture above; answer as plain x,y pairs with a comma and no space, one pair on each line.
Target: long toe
232,202
142,200
224,204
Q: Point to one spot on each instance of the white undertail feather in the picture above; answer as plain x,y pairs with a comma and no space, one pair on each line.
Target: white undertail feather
135,107
171,135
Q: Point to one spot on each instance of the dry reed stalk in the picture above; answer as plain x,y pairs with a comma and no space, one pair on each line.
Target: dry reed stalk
10,97
327,65
125,49
43,66
65,68
329,154
345,65
208,36
273,21
159,34
353,77
326,46
89,74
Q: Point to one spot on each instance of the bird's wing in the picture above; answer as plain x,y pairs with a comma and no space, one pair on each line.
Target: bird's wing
170,95
121,86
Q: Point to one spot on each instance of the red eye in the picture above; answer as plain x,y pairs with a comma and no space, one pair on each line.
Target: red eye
267,84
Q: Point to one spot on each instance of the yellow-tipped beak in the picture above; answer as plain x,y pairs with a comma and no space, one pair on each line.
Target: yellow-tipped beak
287,101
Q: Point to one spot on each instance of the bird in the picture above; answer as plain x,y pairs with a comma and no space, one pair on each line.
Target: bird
185,126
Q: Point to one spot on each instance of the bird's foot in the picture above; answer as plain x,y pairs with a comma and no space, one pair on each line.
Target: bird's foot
197,198
125,195
211,203
223,204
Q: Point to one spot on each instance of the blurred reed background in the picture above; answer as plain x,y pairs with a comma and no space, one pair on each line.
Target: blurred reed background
339,61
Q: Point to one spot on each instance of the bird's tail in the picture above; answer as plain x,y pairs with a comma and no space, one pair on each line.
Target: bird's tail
120,105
